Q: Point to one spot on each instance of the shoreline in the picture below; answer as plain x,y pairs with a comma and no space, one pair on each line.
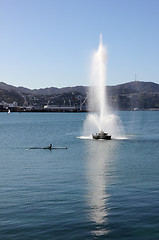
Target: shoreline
76,111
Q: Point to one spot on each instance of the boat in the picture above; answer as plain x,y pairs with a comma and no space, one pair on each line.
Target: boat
101,135
48,148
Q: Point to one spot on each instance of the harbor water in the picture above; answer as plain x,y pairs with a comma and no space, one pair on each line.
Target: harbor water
91,190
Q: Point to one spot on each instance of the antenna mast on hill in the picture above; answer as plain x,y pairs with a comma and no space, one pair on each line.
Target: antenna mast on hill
135,77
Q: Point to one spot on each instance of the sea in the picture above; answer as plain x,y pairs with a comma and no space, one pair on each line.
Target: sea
94,189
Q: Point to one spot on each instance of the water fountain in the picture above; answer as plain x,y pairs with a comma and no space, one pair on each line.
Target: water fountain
102,119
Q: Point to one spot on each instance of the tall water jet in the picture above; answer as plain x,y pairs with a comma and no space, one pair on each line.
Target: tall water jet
97,93
97,99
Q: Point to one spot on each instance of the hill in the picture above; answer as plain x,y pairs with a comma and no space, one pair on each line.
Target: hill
127,96
130,87
43,91
134,95
11,96
134,87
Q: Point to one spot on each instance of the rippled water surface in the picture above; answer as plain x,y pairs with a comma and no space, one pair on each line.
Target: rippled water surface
92,190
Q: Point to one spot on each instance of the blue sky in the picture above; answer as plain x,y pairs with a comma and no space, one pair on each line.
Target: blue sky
49,43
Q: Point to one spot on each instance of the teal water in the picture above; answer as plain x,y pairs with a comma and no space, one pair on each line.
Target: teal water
92,190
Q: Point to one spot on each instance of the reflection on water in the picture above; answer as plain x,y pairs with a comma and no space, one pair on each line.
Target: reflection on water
98,170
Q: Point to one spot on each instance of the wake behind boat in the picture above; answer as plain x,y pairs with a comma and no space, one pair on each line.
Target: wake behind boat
101,135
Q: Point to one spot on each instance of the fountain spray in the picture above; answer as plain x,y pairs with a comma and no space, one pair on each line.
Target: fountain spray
100,117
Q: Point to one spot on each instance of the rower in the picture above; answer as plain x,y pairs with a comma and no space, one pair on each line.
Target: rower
50,146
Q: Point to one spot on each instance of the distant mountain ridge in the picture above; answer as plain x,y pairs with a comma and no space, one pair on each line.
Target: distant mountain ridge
127,96
130,87
43,91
